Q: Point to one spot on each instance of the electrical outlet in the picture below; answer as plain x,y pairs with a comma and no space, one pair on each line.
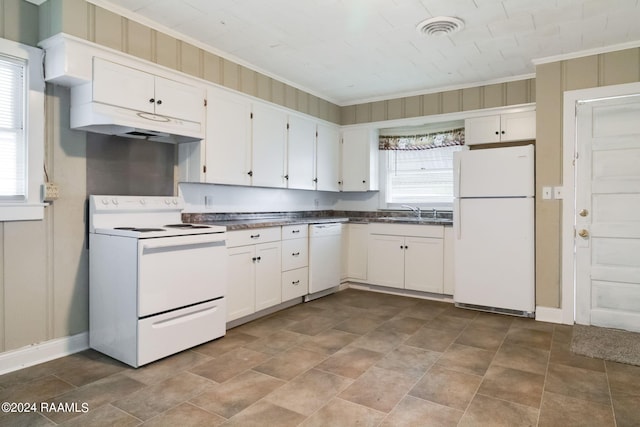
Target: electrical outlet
546,193
51,192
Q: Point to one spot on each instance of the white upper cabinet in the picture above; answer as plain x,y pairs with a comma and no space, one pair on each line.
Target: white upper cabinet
133,89
508,127
228,138
359,159
328,158
301,145
269,138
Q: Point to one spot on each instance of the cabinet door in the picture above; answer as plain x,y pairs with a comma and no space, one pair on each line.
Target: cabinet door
116,84
359,160
482,130
386,261
301,147
241,289
268,278
295,283
518,126
228,143
358,235
423,264
328,158
269,137
179,100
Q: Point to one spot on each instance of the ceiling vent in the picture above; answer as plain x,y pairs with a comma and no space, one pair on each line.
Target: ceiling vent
440,26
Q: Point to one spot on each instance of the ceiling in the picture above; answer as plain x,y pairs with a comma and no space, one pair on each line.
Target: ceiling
353,51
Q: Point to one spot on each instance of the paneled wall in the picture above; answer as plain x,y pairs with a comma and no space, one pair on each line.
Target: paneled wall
552,80
474,98
43,264
93,23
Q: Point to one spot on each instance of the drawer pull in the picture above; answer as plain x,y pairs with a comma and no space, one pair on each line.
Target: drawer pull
255,236
296,283
295,231
295,254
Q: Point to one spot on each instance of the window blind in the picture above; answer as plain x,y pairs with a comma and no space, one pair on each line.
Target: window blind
13,170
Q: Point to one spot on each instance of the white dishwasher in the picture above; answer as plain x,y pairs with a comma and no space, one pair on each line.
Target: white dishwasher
325,255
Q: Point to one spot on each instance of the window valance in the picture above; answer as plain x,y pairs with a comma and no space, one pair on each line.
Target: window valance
423,142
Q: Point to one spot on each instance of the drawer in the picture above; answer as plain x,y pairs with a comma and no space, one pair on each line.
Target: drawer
294,231
295,254
295,283
168,333
252,236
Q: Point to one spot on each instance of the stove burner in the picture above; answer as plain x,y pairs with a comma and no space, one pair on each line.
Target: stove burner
186,225
141,230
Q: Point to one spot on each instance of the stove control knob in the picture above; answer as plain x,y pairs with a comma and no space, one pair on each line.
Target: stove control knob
175,201
167,201
143,202
114,201
105,201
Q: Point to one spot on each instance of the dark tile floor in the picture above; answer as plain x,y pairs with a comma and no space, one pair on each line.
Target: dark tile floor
352,358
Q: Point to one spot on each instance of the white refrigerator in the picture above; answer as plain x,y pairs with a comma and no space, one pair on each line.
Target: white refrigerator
493,219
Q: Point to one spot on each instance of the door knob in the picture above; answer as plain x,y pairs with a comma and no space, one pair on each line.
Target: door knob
583,212
583,233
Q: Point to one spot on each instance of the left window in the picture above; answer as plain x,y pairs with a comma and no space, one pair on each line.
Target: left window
21,132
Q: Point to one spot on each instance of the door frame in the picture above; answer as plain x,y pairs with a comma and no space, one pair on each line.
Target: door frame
569,150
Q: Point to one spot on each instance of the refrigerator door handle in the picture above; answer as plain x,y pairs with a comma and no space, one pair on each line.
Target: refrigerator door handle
457,164
456,218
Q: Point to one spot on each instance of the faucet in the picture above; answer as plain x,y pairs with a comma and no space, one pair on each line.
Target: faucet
415,210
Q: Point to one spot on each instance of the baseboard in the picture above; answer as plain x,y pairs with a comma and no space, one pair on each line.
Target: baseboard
549,314
42,352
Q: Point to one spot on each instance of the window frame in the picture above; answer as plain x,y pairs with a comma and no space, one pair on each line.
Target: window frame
32,207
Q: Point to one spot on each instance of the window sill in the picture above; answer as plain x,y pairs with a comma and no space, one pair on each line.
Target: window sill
22,211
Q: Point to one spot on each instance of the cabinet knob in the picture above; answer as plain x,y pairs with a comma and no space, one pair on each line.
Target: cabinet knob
254,259
259,258
151,101
497,133
286,177
315,180
159,102
502,132
339,182
250,173
296,283
364,181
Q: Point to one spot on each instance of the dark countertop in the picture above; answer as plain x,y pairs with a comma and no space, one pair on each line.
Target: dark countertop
250,221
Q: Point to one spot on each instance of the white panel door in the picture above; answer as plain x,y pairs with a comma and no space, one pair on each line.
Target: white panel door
607,220
423,262
328,158
179,100
228,143
269,144
122,86
386,260
301,148
268,275
241,290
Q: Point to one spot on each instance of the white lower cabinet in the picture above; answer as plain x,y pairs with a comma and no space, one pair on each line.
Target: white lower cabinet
357,236
255,273
448,261
406,257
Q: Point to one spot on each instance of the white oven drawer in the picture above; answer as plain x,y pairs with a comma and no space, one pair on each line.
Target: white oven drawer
175,272
295,283
294,231
165,334
295,253
252,236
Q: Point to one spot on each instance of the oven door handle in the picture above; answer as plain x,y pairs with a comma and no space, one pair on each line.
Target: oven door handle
178,241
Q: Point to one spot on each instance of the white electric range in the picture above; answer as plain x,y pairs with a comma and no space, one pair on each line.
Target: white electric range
156,285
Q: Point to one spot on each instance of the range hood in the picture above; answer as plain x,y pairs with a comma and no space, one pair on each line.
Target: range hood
111,120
